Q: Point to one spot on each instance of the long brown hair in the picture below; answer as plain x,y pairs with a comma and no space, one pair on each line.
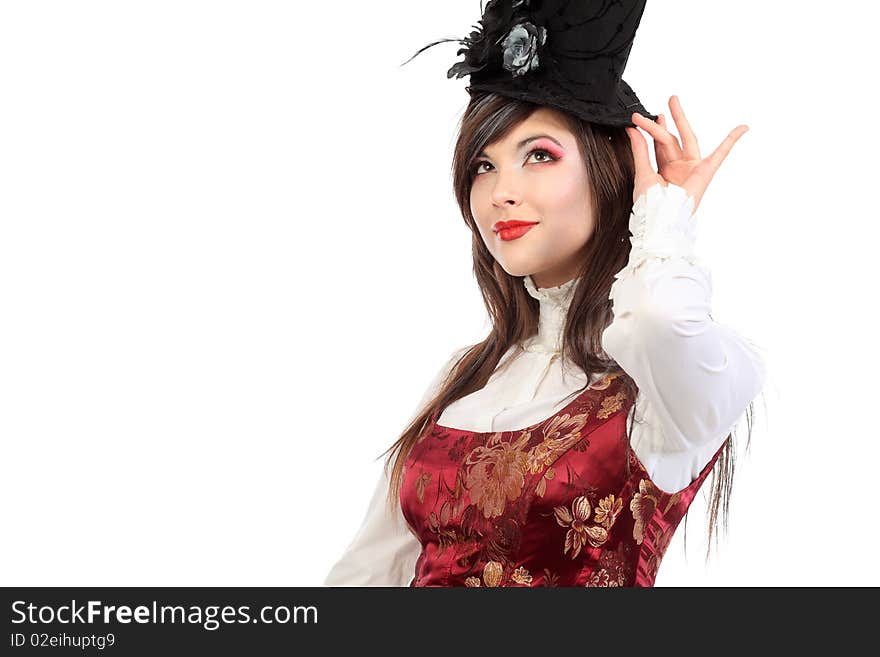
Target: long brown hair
607,154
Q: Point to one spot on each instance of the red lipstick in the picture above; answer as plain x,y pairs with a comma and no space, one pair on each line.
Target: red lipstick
511,230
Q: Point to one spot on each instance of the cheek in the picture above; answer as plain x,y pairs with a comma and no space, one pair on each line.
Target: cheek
480,205
564,202
564,193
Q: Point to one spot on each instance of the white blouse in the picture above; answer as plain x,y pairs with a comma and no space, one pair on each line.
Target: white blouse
695,377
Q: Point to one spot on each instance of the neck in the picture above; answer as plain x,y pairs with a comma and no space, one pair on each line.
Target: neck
553,308
551,279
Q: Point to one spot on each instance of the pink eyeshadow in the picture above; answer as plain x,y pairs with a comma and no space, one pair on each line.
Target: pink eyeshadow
547,145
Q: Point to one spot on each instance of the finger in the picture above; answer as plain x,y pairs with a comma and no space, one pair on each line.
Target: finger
660,134
661,157
665,143
641,157
690,147
718,155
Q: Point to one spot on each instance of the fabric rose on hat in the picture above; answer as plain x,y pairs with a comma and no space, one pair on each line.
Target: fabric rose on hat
520,48
481,45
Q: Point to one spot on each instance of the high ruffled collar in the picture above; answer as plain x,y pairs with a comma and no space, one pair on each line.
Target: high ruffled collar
554,303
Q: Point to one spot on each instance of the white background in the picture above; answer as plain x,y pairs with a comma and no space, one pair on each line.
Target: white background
230,262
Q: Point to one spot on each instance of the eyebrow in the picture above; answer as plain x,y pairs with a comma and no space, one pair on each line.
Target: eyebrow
528,140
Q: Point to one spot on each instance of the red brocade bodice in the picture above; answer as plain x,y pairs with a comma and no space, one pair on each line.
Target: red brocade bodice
553,504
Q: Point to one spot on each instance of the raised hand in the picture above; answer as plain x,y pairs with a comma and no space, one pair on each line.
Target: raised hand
680,164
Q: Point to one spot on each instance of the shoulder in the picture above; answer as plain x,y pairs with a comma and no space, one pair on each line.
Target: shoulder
453,360
441,375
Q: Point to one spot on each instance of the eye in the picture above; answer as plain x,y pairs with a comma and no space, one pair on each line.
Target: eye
544,152
475,170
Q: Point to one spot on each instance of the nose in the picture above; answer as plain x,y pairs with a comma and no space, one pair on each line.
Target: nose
507,189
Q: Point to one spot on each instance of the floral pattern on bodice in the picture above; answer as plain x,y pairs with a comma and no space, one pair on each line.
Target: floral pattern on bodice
548,505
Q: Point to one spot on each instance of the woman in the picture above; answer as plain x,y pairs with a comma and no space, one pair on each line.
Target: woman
565,448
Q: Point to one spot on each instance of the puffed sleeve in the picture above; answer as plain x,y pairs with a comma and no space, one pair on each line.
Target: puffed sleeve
697,375
384,550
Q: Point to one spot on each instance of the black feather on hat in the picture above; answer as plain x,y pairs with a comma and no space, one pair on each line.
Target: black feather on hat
568,54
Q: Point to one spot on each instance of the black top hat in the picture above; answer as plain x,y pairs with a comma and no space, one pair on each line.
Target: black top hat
569,54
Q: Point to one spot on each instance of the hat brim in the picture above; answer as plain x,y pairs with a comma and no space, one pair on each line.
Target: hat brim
617,113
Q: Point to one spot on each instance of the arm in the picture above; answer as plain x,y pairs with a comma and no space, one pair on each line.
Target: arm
697,375
384,550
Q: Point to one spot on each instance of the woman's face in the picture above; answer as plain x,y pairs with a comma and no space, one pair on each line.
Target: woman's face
541,180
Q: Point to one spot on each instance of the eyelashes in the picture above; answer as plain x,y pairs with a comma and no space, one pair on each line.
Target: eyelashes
475,168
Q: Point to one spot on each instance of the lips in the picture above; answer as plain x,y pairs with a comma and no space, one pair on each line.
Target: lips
513,223
508,231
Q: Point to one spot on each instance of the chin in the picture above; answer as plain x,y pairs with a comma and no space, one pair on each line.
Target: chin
518,268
